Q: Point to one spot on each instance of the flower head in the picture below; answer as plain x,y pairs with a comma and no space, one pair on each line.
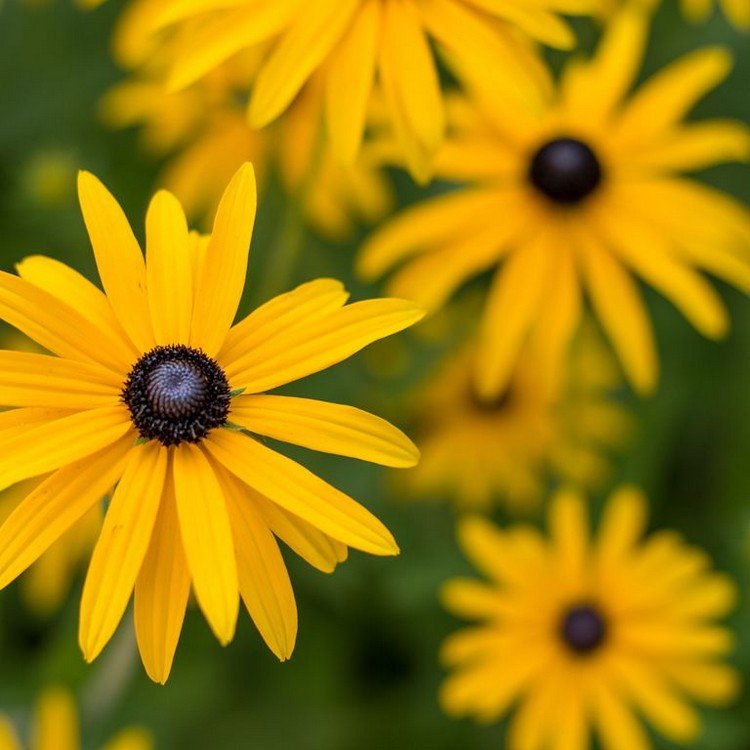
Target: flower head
507,449
55,726
355,43
150,387
582,634
580,198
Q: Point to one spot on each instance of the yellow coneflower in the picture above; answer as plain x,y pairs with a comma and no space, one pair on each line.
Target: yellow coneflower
585,635
358,44
153,389
204,133
581,197
55,727
507,449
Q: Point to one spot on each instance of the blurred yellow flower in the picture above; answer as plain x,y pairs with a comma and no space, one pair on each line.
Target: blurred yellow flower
585,635
55,727
737,11
353,43
204,132
153,389
582,196
508,449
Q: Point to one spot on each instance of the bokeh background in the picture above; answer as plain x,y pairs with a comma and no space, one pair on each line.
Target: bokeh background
365,672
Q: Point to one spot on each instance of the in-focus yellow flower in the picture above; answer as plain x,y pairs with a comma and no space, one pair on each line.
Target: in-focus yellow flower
588,635
203,130
154,389
508,449
584,196
356,43
55,727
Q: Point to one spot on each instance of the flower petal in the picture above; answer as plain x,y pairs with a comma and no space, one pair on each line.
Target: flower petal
29,452
219,287
55,505
118,258
265,587
29,379
300,492
169,271
322,426
162,591
122,545
207,539
318,344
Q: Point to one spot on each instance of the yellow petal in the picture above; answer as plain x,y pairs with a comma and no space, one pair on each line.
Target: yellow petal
134,738
169,272
311,545
317,27
56,722
569,530
207,539
352,69
122,545
300,492
30,452
161,591
77,292
29,379
322,426
8,737
615,722
58,327
312,347
118,258
265,587
55,505
305,303
219,288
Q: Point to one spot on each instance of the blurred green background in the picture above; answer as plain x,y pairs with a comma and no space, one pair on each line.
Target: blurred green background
365,672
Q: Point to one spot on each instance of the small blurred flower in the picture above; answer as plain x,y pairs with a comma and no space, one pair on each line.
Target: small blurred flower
581,196
583,634
49,178
509,448
153,389
352,43
55,727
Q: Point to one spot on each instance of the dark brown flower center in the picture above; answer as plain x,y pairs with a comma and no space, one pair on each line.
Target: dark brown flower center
583,629
565,170
176,394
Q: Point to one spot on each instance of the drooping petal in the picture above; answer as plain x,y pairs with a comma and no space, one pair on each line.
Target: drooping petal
265,587
219,287
169,272
300,492
161,591
122,545
30,452
119,259
55,505
319,425
207,538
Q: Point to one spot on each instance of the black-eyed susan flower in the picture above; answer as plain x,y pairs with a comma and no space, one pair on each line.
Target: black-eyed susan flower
584,196
151,388
358,44
583,636
55,727
507,449
205,135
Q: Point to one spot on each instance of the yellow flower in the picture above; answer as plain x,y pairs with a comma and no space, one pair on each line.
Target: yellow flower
584,634
581,197
55,727
509,448
737,11
355,42
204,131
154,389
